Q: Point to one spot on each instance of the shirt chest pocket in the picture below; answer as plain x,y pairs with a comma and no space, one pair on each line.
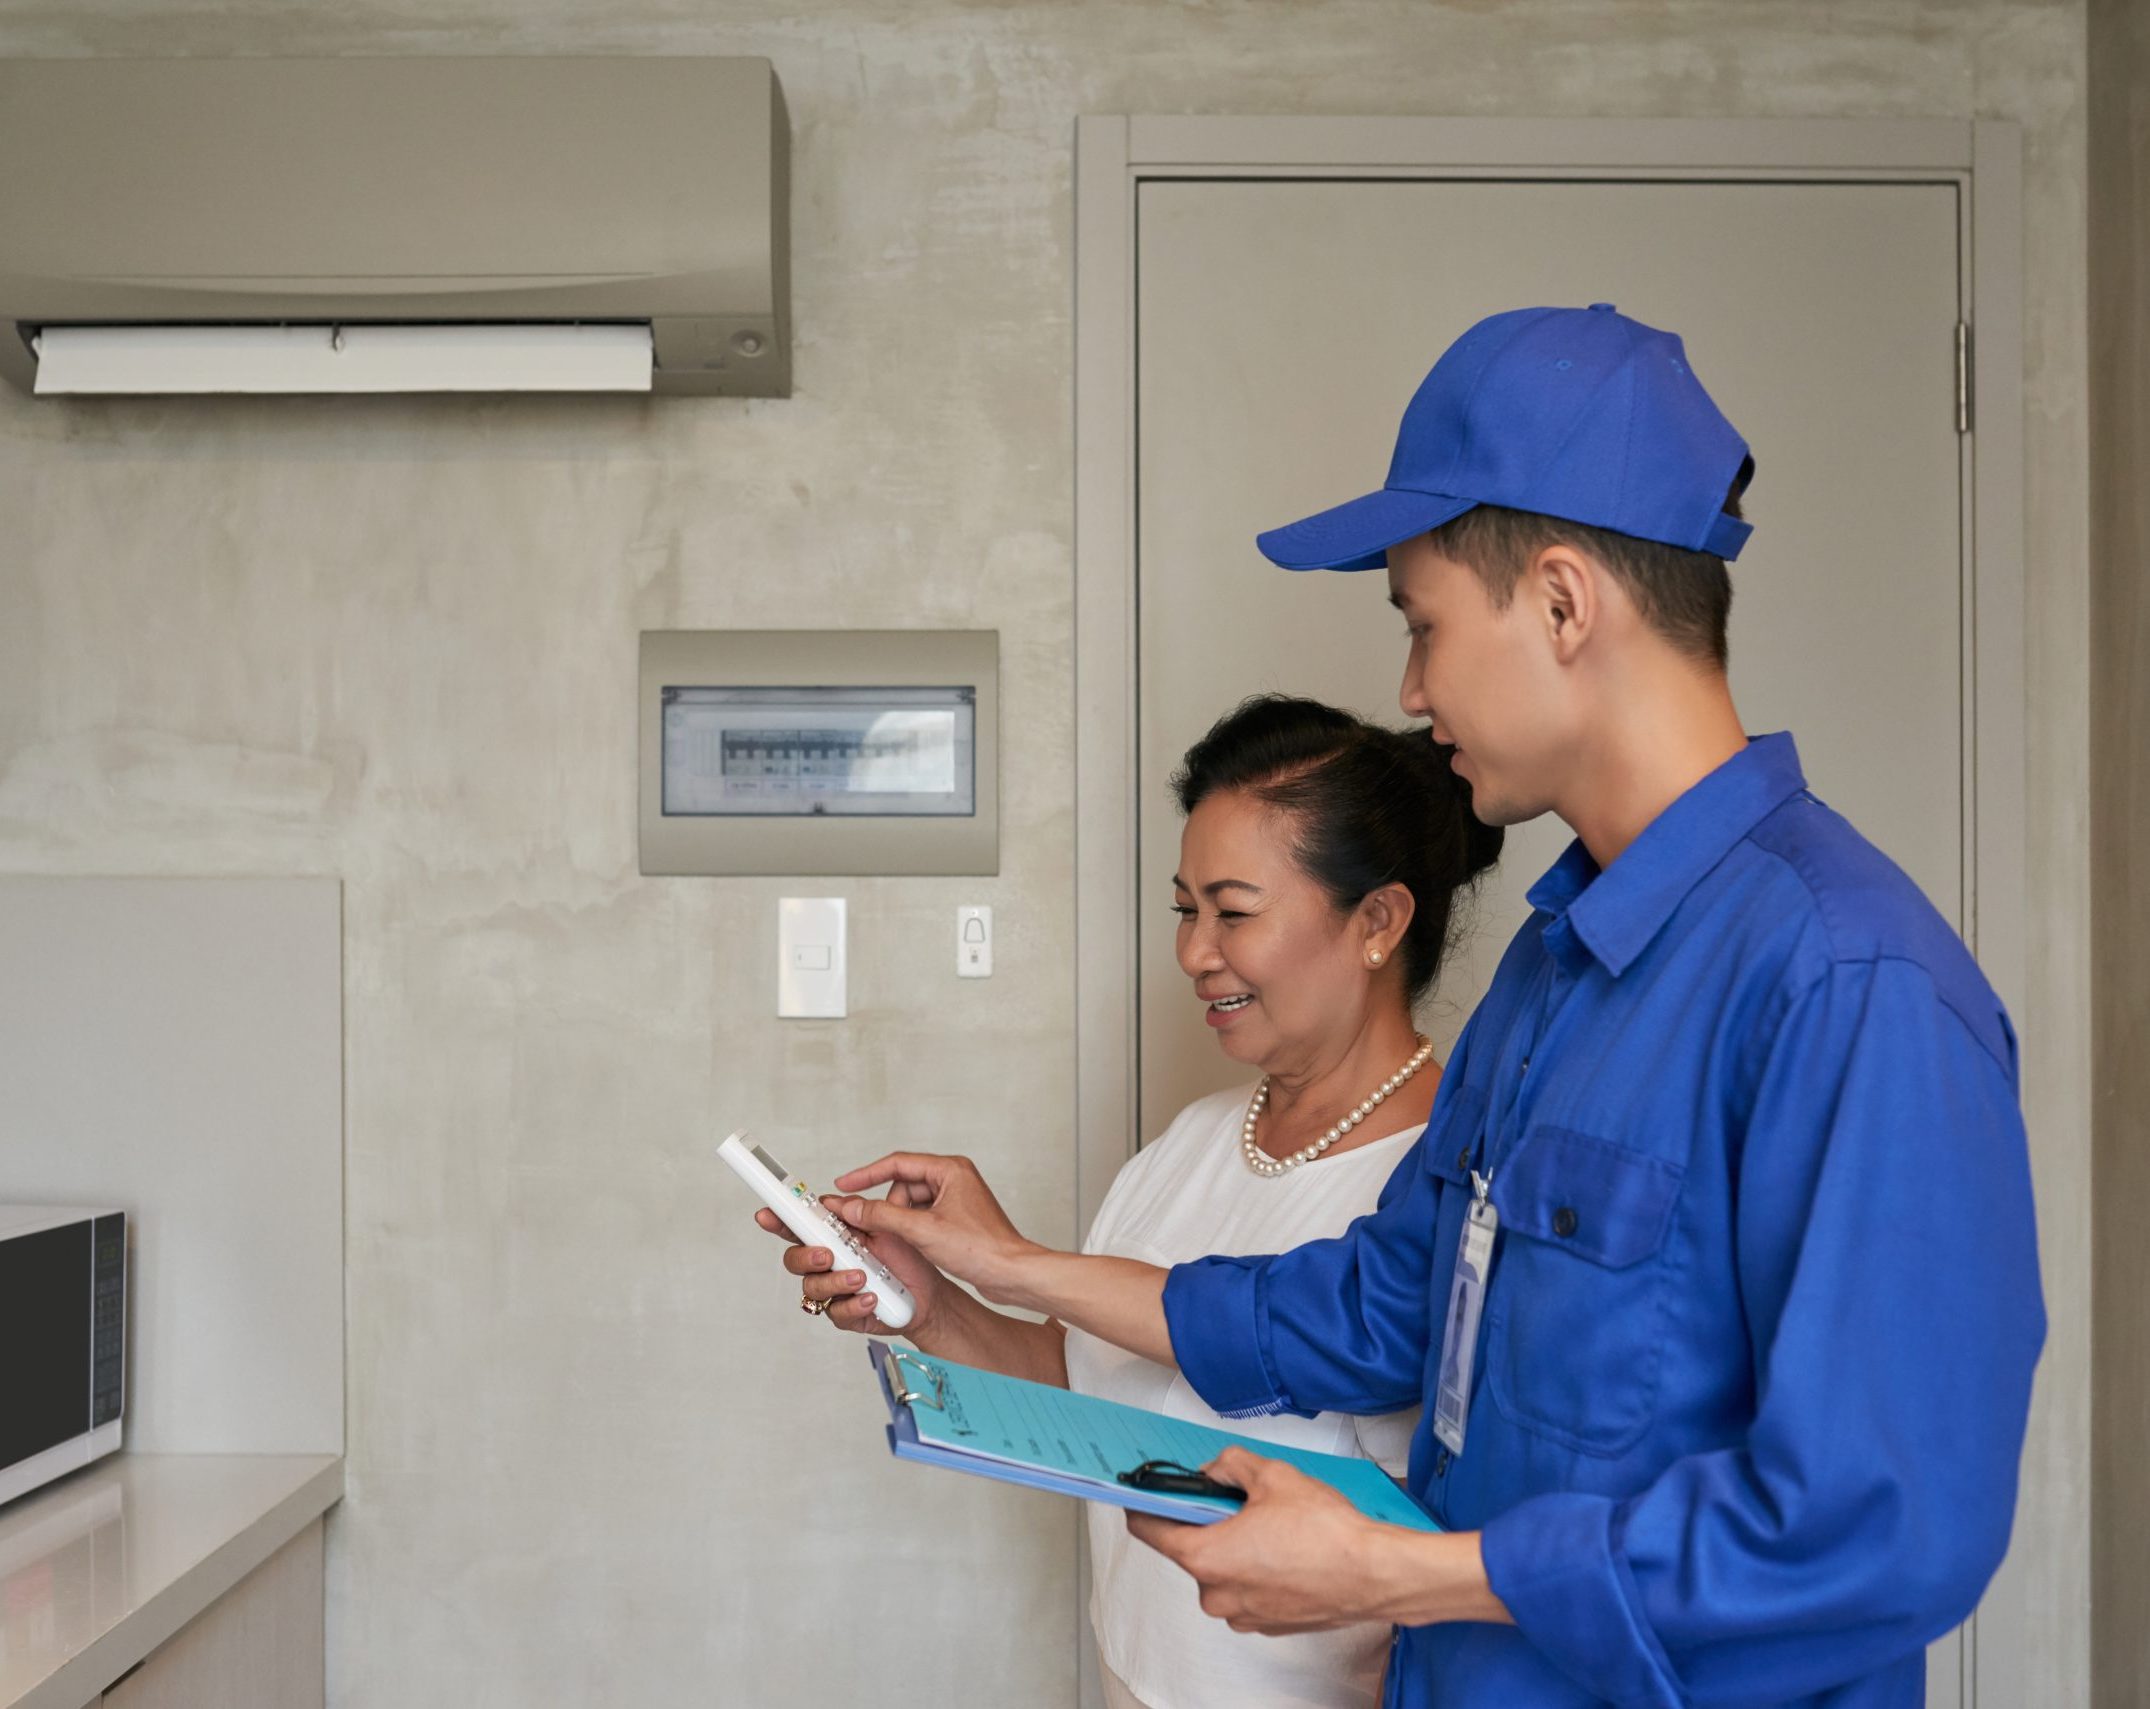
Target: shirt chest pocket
1577,1313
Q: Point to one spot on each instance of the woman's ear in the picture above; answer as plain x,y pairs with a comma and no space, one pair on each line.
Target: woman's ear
1382,918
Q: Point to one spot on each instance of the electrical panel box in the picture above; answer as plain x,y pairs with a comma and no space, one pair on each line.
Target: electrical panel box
816,753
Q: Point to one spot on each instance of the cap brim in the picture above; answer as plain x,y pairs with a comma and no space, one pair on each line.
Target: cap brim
1358,535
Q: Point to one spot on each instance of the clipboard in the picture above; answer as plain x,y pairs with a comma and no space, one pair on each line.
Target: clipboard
986,1425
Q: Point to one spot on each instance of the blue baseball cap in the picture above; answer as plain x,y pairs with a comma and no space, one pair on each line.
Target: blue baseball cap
1582,414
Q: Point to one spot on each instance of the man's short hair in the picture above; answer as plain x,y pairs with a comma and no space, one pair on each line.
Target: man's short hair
1685,596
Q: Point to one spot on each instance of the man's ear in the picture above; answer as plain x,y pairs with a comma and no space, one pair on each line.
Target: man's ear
1570,589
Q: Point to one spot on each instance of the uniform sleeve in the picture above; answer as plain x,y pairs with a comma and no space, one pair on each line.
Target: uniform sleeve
1335,1325
1889,1273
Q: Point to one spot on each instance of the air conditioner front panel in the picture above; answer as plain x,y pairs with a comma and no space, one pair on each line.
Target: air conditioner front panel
647,189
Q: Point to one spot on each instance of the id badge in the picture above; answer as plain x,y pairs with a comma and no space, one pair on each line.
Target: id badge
1466,1300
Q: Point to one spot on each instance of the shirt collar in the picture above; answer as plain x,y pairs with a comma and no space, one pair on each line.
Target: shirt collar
1617,911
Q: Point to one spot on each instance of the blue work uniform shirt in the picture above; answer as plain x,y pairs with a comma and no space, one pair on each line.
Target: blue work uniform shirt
1757,1349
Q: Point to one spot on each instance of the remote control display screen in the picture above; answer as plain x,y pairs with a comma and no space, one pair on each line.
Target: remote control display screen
769,1163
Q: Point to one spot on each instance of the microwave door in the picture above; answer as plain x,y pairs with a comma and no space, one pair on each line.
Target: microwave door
46,1362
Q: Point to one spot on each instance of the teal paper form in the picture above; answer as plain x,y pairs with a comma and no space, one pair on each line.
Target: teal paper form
1032,1428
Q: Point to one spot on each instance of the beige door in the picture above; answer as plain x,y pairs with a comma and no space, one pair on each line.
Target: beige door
1282,326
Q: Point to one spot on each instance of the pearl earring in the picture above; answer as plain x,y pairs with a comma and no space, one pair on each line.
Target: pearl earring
1374,959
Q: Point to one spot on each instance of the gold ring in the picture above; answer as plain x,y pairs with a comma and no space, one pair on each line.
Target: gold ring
812,1308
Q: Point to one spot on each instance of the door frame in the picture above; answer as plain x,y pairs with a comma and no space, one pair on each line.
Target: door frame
1116,154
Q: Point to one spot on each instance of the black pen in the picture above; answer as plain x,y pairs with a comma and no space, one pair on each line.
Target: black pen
1169,1477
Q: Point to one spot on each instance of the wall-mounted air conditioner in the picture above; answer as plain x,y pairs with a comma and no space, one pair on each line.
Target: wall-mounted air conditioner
402,225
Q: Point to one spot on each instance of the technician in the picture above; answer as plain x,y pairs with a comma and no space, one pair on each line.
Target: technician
1715,1266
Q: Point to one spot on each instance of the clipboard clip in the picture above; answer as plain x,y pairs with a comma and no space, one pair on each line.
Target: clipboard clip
905,1395
1169,1477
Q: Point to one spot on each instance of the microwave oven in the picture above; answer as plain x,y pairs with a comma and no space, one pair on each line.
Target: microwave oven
63,1340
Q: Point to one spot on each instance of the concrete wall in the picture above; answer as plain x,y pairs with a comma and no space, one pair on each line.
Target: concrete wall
395,642
2119,41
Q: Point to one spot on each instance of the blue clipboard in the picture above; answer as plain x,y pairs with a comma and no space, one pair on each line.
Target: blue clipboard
1003,1428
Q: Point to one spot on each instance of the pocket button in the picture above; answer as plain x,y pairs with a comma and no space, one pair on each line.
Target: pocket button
1565,1221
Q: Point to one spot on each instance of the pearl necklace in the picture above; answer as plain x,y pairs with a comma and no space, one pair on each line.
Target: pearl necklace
1263,1164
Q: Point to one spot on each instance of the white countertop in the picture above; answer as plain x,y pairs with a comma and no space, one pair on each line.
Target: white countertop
100,1568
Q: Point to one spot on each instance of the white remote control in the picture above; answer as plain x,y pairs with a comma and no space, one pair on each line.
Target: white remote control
803,1213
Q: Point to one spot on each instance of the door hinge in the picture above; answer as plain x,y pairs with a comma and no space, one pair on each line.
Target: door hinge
1963,377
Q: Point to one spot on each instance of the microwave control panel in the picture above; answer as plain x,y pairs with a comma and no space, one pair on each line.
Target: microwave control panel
108,1316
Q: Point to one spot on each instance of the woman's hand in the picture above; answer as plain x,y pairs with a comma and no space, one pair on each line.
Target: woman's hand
942,1207
849,1308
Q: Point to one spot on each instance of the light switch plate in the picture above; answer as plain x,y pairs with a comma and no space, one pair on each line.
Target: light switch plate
810,959
974,943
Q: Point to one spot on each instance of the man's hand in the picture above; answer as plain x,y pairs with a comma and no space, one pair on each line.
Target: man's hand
950,1219
1300,1558
943,1208
1293,1560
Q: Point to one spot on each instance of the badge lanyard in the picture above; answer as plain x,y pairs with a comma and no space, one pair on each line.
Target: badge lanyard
1466,1299
1467,1287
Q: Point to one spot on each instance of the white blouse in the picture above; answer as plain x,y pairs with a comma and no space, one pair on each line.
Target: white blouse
1184,1196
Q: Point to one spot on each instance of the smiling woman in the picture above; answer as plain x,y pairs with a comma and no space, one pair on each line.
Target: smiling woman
1319,872
1318,878
1302,819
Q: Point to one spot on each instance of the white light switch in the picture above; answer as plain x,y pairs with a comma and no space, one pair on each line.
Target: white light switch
810,958
974,943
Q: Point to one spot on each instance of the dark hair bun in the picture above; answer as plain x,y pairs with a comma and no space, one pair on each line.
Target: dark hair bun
1372,806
